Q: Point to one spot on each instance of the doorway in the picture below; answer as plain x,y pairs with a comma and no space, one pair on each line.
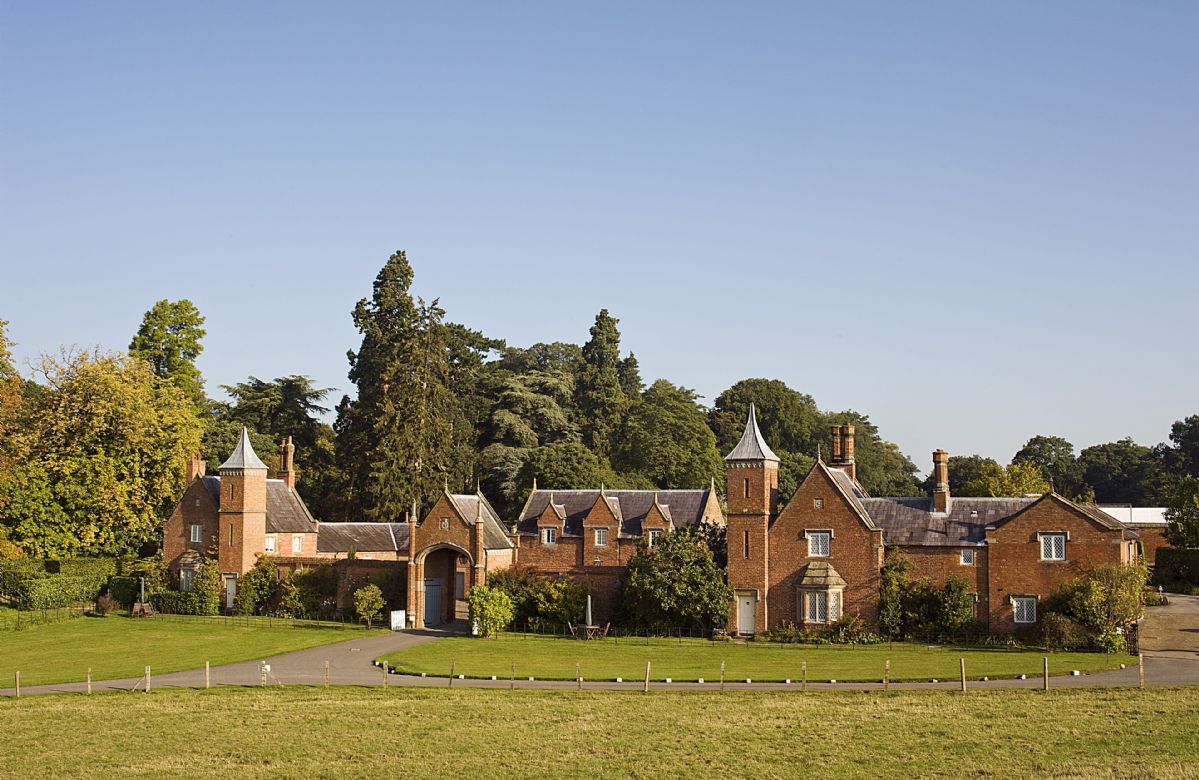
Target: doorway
230,590
747,613
432,602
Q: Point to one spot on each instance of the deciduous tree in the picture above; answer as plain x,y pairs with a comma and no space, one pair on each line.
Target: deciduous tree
169,337
667,440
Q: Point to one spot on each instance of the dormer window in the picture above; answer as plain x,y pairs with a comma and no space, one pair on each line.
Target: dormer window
654,535
270,544
601,537
549,535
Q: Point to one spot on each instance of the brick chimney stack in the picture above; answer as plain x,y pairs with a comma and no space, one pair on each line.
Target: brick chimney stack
195,467
287,465
843,450
940,481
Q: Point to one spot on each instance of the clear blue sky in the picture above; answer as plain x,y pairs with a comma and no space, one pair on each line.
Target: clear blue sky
975,222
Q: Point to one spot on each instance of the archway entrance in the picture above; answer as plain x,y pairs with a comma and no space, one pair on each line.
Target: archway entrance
443,578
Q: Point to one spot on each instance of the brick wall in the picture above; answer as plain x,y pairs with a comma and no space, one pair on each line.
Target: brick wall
1014,556
855,551
937,563
195,508
1152,538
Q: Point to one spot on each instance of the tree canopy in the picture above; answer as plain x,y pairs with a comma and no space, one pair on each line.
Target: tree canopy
169,338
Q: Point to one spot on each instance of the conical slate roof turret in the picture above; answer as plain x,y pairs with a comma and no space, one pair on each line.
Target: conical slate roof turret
243,456
752,446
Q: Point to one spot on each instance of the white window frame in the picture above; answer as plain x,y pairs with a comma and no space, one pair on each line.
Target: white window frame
549,535
187,579
822,607
297,543
601,537
195,533
1049,541
1026,603
814,538
818,503
968,556
654,535
269,545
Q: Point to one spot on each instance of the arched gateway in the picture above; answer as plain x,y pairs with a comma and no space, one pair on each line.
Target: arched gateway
453,548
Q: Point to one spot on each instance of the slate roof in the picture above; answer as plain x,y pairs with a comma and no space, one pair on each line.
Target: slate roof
911,521
752,446
362,537
243,456
469,506
286,512
682,507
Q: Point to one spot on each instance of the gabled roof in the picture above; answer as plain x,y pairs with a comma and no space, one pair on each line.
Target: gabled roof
470,507
820,575
1090,511
683,508
850,490
243,456
752,446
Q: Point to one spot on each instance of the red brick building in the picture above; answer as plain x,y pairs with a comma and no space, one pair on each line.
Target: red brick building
239,516
589,535
819,558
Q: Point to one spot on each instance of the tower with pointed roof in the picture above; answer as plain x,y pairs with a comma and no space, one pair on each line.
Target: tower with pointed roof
242,518
752,481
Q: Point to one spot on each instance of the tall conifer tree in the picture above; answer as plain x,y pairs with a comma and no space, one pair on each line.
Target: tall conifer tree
601,398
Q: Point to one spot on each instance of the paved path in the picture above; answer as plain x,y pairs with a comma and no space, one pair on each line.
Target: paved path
1171,647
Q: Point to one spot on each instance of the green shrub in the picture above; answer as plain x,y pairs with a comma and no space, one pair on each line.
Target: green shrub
207,587
1176,568
12,572
539,600
368,603
1058,632
48,592
99,568
490,609
176,602
123,590
256,589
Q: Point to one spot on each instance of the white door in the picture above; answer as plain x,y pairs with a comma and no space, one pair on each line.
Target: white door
747,608
230,590
432,603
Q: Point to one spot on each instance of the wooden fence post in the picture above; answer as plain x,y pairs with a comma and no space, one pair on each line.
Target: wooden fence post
722,675
89,681
578,675
1141,668
887,675
646,689
804,666
326,673
453,665
962,662
147,678
262,673
384,674
1045,673
207,676
512,681
17,677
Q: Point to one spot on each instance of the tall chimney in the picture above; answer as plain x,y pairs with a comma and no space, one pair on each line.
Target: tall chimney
836,445
195,467
847,460
287,467
940,481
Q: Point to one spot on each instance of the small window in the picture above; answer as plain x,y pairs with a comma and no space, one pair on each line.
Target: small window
818,544
270,544
196,533
601,537
745,544
549,535
231,534
654,536
297,543
818,503
1025,609
187,578
1053,547
459,585
747,487
967,557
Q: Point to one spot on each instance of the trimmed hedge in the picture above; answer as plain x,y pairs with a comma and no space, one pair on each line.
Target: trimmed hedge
98,568
176,602
123,590
13,572
1177,565
51,591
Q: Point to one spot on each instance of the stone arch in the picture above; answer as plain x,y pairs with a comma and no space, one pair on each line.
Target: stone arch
439,576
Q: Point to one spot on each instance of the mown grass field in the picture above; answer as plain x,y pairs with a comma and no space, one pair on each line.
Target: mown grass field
117,646
445,732
552,658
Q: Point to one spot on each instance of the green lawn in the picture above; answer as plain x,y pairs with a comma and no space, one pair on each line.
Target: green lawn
551,658
299,732
122,647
